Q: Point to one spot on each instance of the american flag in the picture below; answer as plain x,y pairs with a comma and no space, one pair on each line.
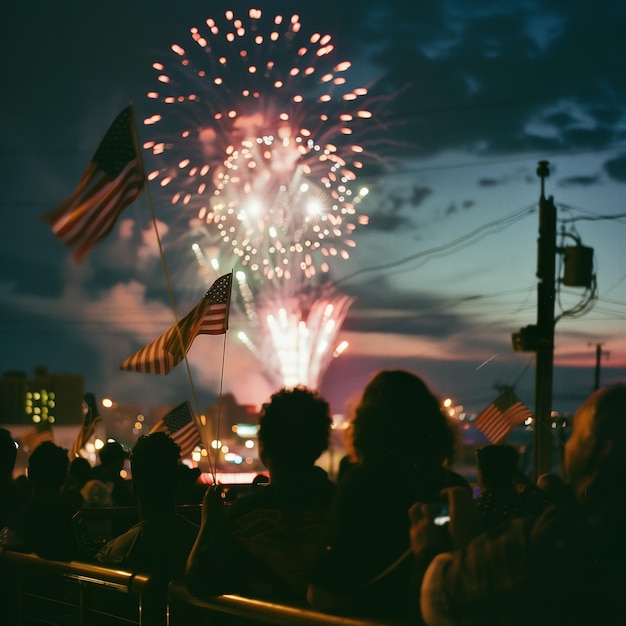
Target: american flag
208,317
499,418
180,425
42,432
112,181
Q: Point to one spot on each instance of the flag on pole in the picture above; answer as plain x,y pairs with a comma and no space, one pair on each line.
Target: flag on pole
501,416
112,181
181,426
91,417
42,432
208,317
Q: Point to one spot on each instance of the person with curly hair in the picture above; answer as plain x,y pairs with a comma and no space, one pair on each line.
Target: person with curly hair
264,543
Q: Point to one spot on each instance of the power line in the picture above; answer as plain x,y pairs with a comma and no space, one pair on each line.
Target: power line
448,248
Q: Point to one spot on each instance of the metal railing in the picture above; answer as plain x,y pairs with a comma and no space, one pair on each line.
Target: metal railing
36,591
233,610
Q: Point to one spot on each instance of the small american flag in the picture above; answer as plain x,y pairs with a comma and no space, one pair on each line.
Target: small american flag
499,418
180,425
112,181
208,317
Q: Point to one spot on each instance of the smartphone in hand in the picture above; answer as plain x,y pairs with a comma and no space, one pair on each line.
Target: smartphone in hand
442,517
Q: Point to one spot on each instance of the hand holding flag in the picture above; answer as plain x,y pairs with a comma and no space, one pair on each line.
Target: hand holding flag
112,181
209,317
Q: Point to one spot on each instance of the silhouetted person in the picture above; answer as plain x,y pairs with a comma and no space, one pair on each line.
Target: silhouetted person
112,456
264,543
78,474
43,525
11,496
160,542
566,567
190,490
350,458
404,443
499,500
555,489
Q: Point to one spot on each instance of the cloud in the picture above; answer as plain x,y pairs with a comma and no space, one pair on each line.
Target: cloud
419,195
150,243
578,181
616,168
387,222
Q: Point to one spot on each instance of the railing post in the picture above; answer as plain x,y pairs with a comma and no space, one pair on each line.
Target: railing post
20,601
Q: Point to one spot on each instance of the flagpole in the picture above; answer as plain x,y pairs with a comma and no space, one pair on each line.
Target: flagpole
139,152
219,410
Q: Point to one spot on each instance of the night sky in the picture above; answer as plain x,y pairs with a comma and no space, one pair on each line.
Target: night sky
467,97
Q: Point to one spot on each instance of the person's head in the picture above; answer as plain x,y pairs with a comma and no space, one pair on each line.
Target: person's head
555,489
79,471
154,465
595,453
550,483
47,467
497,466
96,494
112,454
8,454
398,416
294,428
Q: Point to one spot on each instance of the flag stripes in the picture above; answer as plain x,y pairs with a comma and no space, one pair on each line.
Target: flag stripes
209,316
501,416
181,426
112,181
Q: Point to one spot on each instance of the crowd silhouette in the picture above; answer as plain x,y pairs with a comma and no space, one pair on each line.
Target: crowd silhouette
367,543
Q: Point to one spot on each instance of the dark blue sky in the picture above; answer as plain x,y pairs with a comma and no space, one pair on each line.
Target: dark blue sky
467,100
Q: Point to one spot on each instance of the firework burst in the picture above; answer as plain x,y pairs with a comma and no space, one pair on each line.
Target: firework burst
269,150
299,335
257,144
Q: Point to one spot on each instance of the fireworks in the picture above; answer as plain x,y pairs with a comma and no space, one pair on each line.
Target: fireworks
299,335
269,153
258,145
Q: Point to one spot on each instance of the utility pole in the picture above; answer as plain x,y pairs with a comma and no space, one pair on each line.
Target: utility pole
539,337
546,289
596,378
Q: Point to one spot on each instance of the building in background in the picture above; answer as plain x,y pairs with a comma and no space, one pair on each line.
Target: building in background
55,398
